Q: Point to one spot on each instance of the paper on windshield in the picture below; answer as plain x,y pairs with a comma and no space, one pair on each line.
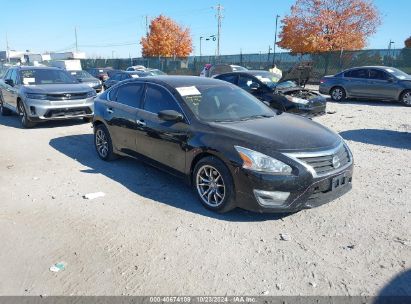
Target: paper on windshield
134,76
187,91
27,81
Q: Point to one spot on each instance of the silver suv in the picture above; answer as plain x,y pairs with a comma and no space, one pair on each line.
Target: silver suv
376,82
44,93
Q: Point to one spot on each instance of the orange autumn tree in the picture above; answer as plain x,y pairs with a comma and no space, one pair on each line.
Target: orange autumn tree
316,26
166,38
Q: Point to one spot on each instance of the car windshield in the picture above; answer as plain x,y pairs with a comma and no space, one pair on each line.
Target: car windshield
46,76
81,74
397,73
223,103
270,79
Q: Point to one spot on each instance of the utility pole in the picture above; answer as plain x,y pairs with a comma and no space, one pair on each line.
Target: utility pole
269,53
220,17
275,38
201,38
7,49
146,25
75,36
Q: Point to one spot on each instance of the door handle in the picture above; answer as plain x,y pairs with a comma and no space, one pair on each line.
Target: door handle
140,123
110,110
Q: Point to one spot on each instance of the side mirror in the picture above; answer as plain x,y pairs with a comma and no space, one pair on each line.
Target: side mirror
79,80
10,82
254,86
170,115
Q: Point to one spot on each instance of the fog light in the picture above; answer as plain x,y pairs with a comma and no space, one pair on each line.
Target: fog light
271,198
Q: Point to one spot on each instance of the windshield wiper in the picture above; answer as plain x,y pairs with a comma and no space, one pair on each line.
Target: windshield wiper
256,117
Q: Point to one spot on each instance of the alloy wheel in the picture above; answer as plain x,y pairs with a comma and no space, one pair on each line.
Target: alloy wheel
22,113
210,186
406,98
101,143
337,94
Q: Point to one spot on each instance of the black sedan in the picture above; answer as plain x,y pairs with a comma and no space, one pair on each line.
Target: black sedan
233,149
123,75
284,96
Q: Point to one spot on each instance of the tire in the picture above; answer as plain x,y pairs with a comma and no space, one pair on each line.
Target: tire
221,197
4,111
338,94
25,120
103,143
405,98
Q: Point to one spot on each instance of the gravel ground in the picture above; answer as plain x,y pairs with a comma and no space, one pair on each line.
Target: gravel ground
150,236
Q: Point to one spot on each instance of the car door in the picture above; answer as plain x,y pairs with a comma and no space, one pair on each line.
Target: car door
159,140
357,82
9,92
14,92
382,84
6,88
121,115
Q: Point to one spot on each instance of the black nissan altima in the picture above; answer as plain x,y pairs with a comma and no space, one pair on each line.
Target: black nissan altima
233,149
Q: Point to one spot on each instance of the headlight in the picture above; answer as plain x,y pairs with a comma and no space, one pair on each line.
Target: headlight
36,96
297,100
257,161
91,94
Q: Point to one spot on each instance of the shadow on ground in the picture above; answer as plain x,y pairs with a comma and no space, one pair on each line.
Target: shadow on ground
368,102
145,180
13,121
397,291
385,138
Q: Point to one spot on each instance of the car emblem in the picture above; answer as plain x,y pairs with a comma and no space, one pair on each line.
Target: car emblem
336,162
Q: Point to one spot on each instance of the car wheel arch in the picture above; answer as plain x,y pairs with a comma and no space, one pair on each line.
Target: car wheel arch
200,156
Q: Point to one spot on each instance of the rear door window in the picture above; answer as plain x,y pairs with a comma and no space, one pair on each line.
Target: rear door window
359,73
130,94
378,74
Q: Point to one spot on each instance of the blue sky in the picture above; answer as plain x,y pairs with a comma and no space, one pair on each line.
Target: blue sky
46,25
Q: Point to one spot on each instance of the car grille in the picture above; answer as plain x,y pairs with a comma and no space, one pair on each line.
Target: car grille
324,164
67,96
55,113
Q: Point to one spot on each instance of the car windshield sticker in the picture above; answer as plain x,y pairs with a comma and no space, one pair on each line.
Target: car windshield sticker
186,91
100,71
134,76
27,81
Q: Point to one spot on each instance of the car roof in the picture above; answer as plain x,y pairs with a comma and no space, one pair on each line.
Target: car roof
181,81
24,67
371,67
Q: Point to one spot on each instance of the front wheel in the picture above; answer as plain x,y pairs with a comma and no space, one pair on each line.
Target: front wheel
406,98
338,94
214,185
25,121
103,143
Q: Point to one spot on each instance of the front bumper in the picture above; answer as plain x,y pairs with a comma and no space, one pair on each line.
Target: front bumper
39,110
315,107
305,190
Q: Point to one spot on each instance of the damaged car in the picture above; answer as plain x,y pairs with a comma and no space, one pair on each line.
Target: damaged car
285,96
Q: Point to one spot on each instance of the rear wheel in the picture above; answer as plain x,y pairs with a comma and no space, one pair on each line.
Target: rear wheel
214,185
25,121
103,143
338,94
4,111
406,98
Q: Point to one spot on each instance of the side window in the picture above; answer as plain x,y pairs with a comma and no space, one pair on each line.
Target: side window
112,94
360,73
229,78
245,82
14,76
8,74
159,99
378,75
130,94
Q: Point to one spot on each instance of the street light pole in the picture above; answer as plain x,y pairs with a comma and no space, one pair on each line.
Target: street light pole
275,38
201,38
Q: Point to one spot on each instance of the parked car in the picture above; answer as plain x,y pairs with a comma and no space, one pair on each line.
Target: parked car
136,68
224,68
44,93
284,96
87,78
101,73
376,82
120,76
234,150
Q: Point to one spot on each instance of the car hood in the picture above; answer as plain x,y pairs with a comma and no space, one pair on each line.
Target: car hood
283,133
57,88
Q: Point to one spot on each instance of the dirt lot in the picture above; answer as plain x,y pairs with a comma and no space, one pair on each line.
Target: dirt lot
150,236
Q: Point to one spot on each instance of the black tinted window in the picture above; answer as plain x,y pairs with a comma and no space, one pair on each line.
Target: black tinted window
159,99
130,94
228,78
360,73
378,74
245,82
